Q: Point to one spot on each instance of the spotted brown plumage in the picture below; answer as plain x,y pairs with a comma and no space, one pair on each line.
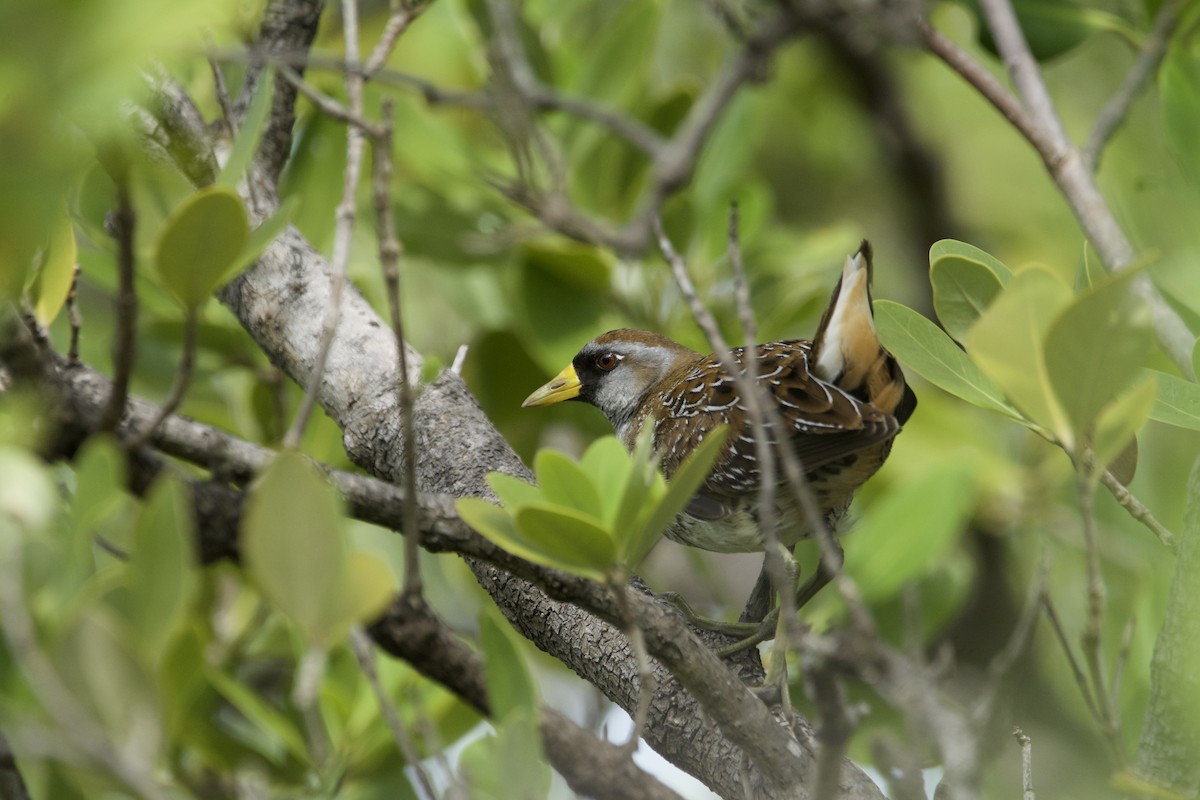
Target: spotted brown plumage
839,402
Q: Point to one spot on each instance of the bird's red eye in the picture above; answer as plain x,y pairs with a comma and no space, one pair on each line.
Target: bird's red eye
607,361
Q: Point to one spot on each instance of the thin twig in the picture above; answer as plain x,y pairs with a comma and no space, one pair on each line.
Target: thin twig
645,670
1116,109
1128,501
1004,660
389,260
1026,764
123,221
1091,637
1119,664
344,228
837,726
73,316
397,24
223,100
1060,633
328,105
182,379
364,653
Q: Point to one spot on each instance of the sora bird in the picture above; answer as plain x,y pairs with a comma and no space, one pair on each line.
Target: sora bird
838,401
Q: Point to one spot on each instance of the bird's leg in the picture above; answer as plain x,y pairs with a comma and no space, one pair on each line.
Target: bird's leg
708,624
758,605
822,576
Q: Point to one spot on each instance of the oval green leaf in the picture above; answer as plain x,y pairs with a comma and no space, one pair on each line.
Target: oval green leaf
926,349
1178,401
965,281
513,491
571,540
1007,344
1095,348
161,567
1179,88
53,281
293,547
564,483
199,242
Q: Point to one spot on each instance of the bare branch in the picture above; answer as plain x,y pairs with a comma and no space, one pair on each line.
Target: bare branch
402,17
183,377
122,222
389,261
1026,763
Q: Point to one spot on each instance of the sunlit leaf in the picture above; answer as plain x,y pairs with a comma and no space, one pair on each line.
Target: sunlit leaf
53,281
199,243
509,682
564,483
513,491
965,281
1007,344
1095,348
607,464
572,540
1178,401
1118,422
925,349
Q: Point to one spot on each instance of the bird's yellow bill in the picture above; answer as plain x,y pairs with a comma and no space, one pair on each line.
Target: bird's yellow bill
564,387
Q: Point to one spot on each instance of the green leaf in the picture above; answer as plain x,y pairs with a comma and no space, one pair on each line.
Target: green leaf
1179,88
367,586
571,540
1007,344
95,661
965,281
162,573
510,685
928,351
245,143
99,484
293,545
1095,348
53,281
1196,359
260,238
512,491
199,242
680,489
642,479
1052,27
608,465
497,526
564,483
908,529
509,764
1178,401
1119,421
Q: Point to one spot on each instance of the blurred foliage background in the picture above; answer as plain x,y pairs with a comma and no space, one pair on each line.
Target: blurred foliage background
834,145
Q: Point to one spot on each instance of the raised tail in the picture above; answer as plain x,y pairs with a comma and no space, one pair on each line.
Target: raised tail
846,349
